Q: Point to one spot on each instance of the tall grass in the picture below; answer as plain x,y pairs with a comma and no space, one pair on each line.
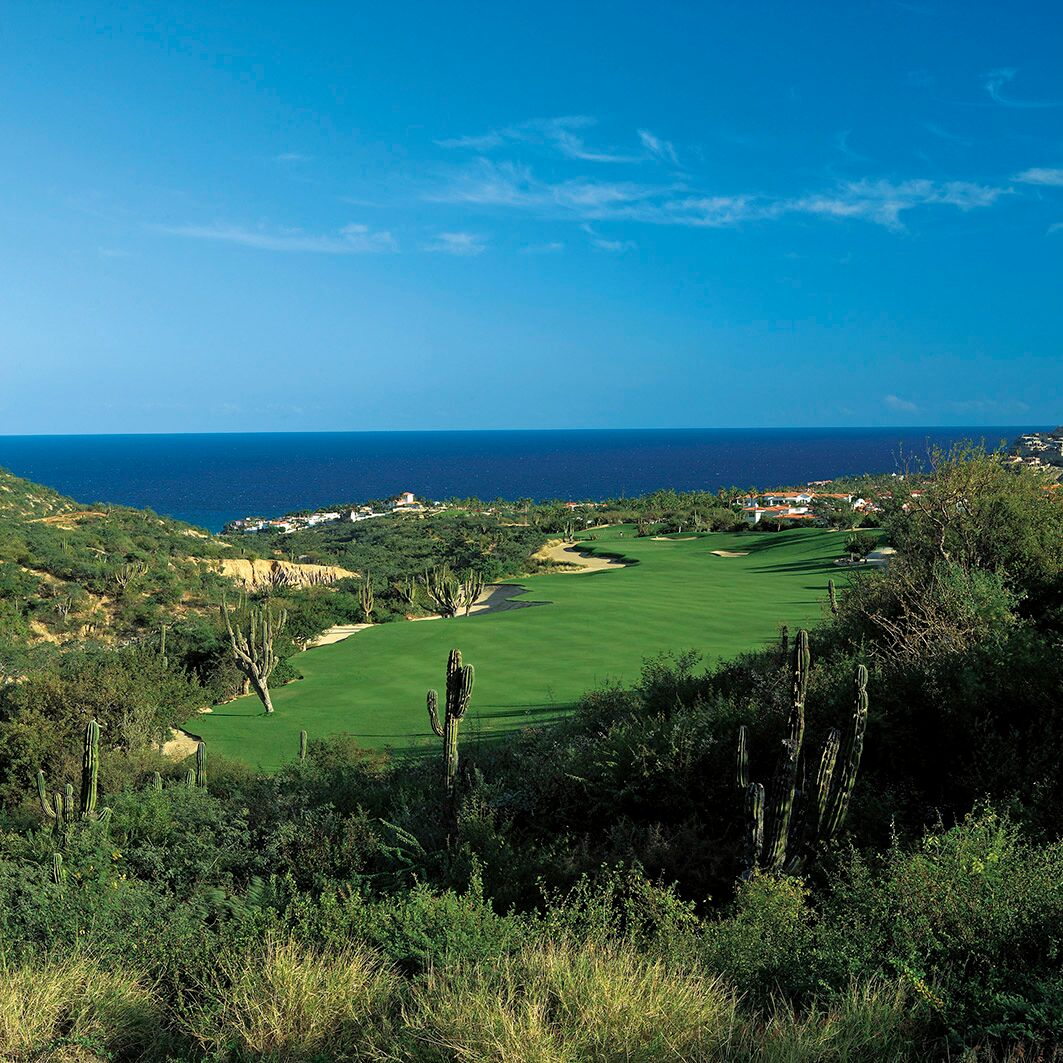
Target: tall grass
69,1007
293,1004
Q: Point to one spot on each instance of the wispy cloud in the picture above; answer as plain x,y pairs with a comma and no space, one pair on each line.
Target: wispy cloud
894,402
1042,175
1056,227
944,134
567,136
605,244
995,81
457,244
841,142
350,240
661,149
987,406
882,202
551,248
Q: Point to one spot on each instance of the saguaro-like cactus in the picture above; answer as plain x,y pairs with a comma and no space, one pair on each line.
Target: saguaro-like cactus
302,745
60,807
156,780
201,764
832,594
783,829
190,778
450,594
460,680
90,770
365,598
58,871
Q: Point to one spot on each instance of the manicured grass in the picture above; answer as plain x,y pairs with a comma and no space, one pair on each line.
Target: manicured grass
532,664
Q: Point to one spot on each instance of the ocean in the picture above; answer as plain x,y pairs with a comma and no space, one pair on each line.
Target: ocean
210,479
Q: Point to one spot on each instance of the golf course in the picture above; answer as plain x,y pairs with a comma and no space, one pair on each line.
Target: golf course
579,631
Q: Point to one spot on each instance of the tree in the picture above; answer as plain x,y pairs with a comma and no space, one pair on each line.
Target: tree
859,546
251,639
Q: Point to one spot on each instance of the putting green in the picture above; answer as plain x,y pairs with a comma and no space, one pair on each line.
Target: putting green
532,664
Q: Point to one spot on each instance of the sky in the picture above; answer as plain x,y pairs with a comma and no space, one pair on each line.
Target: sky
241,217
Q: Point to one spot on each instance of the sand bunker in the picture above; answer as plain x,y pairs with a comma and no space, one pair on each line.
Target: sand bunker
731,553
559,553
673,538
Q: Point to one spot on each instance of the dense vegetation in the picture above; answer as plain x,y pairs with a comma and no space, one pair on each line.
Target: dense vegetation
576,895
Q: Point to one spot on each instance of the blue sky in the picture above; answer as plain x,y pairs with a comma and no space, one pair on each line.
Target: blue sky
342,216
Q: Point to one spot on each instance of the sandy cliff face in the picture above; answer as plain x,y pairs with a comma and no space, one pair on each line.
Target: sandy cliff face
262,575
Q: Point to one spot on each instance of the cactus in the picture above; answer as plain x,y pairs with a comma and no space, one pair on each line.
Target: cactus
302,745
784,640
60,807
90,770
156,781
365,598
832,595
190,778
58,871
460,680
251,641
786,827
450,594
201,764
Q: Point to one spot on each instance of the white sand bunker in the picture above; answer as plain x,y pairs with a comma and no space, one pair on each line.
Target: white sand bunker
731,553
673,538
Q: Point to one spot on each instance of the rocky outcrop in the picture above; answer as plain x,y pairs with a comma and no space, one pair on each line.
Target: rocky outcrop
266,575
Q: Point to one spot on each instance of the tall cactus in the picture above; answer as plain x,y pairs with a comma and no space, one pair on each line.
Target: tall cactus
832,595
365,598
60,807
251,640
156,780
90,770
302,745
460,679
783,829
58,871
201,764
190,778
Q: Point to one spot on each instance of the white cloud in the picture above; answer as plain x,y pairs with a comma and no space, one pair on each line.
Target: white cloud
662,149
350,240
551,248
1042,175
457,244
562,135
881,202
605,244
895,403
994,82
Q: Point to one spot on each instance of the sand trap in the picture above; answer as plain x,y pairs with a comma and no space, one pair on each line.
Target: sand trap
730,553
559,553
180,745
336,634
673,538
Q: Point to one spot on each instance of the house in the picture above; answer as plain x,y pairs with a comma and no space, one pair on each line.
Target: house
406,498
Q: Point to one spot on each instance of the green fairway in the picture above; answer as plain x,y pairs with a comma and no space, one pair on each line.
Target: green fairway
532,664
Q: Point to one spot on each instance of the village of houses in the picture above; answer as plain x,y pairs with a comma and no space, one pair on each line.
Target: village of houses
788,505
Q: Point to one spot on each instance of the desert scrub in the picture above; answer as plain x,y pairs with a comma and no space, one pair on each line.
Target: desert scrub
563,1004
54,1003
293,1004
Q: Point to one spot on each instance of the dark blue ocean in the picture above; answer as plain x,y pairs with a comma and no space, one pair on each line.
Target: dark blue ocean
210,479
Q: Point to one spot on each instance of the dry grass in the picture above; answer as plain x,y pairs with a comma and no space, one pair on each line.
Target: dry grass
565,1004
294,1004
71,1009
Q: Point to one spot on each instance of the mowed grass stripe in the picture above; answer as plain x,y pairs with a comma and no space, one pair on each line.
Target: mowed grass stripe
533,664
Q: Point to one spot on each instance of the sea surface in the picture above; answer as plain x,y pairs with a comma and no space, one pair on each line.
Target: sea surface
209,479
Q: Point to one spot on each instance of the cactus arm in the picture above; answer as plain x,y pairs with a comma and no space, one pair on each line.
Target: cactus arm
42,795
753,829
742,765
838,805
784,784
433,712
